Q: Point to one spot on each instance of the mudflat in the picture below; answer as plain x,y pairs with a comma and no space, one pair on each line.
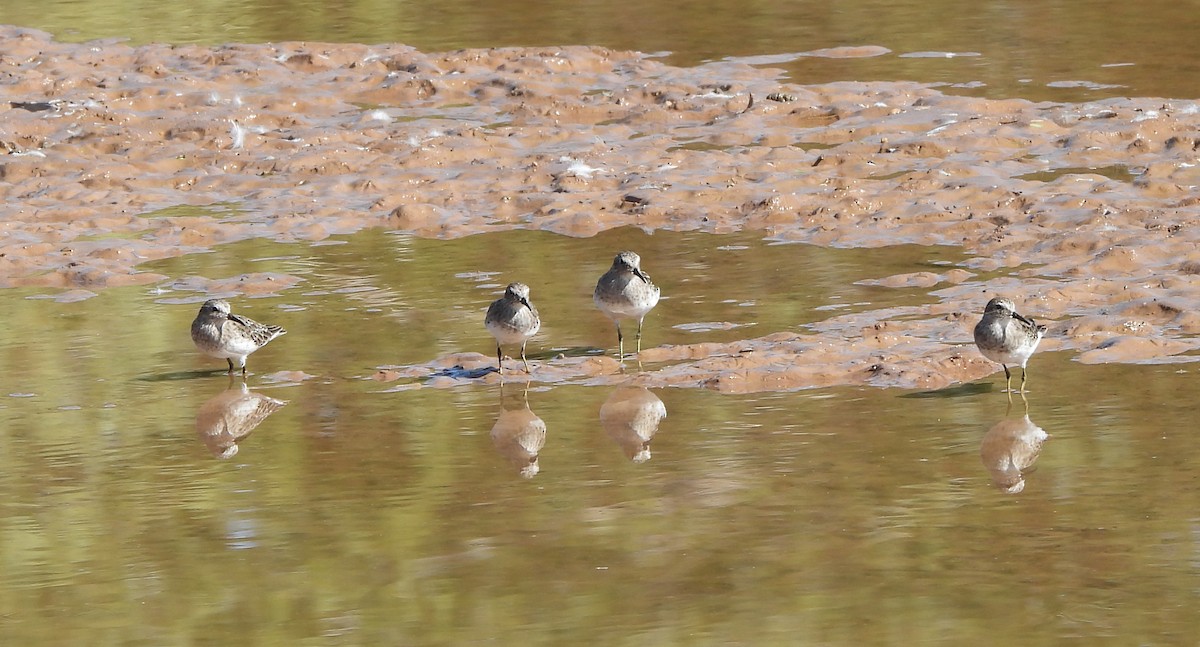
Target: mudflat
1084,214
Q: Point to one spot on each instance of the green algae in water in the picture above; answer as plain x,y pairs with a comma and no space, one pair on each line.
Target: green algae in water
698,146
214,210
1118,172
814,146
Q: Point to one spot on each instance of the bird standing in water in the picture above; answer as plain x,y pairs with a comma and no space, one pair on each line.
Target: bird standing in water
1006,337
512,319
625,291
217,332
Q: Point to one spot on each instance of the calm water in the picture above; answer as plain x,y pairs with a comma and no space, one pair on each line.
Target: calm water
357,515
352,515
412,299
1059,51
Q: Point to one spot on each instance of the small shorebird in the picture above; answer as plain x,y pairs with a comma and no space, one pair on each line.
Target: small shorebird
217,332
625,291
512,319
1006,337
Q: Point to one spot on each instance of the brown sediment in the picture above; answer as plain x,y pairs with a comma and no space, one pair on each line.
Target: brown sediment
1084,214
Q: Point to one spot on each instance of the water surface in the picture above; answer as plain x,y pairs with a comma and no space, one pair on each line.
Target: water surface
358,515
399,299
1052,51
143,502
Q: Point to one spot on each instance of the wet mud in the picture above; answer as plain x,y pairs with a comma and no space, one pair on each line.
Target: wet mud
1084,214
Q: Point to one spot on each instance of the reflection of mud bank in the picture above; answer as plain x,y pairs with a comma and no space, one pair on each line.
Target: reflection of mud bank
302,141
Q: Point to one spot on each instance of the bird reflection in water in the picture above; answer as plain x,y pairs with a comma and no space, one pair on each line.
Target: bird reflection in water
630,416
1010,448
519,434
224,420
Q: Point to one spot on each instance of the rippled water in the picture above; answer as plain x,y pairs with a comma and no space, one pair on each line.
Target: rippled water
403,299
1043,51
147,499
353,514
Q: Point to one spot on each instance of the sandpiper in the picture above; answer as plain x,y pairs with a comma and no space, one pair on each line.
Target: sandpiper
219,333
512,319
1006,337
625,291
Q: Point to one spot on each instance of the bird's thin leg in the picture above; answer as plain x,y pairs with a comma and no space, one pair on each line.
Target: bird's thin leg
1024,373
243,370
230,365
639,337
499,360
1007,379
525,360
620,344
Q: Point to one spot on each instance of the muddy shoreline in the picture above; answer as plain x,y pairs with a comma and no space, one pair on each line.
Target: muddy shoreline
1084,214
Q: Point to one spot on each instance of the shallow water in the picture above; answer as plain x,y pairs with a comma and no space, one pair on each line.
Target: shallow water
362,517
148,500
402,299
1058,52
354,514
